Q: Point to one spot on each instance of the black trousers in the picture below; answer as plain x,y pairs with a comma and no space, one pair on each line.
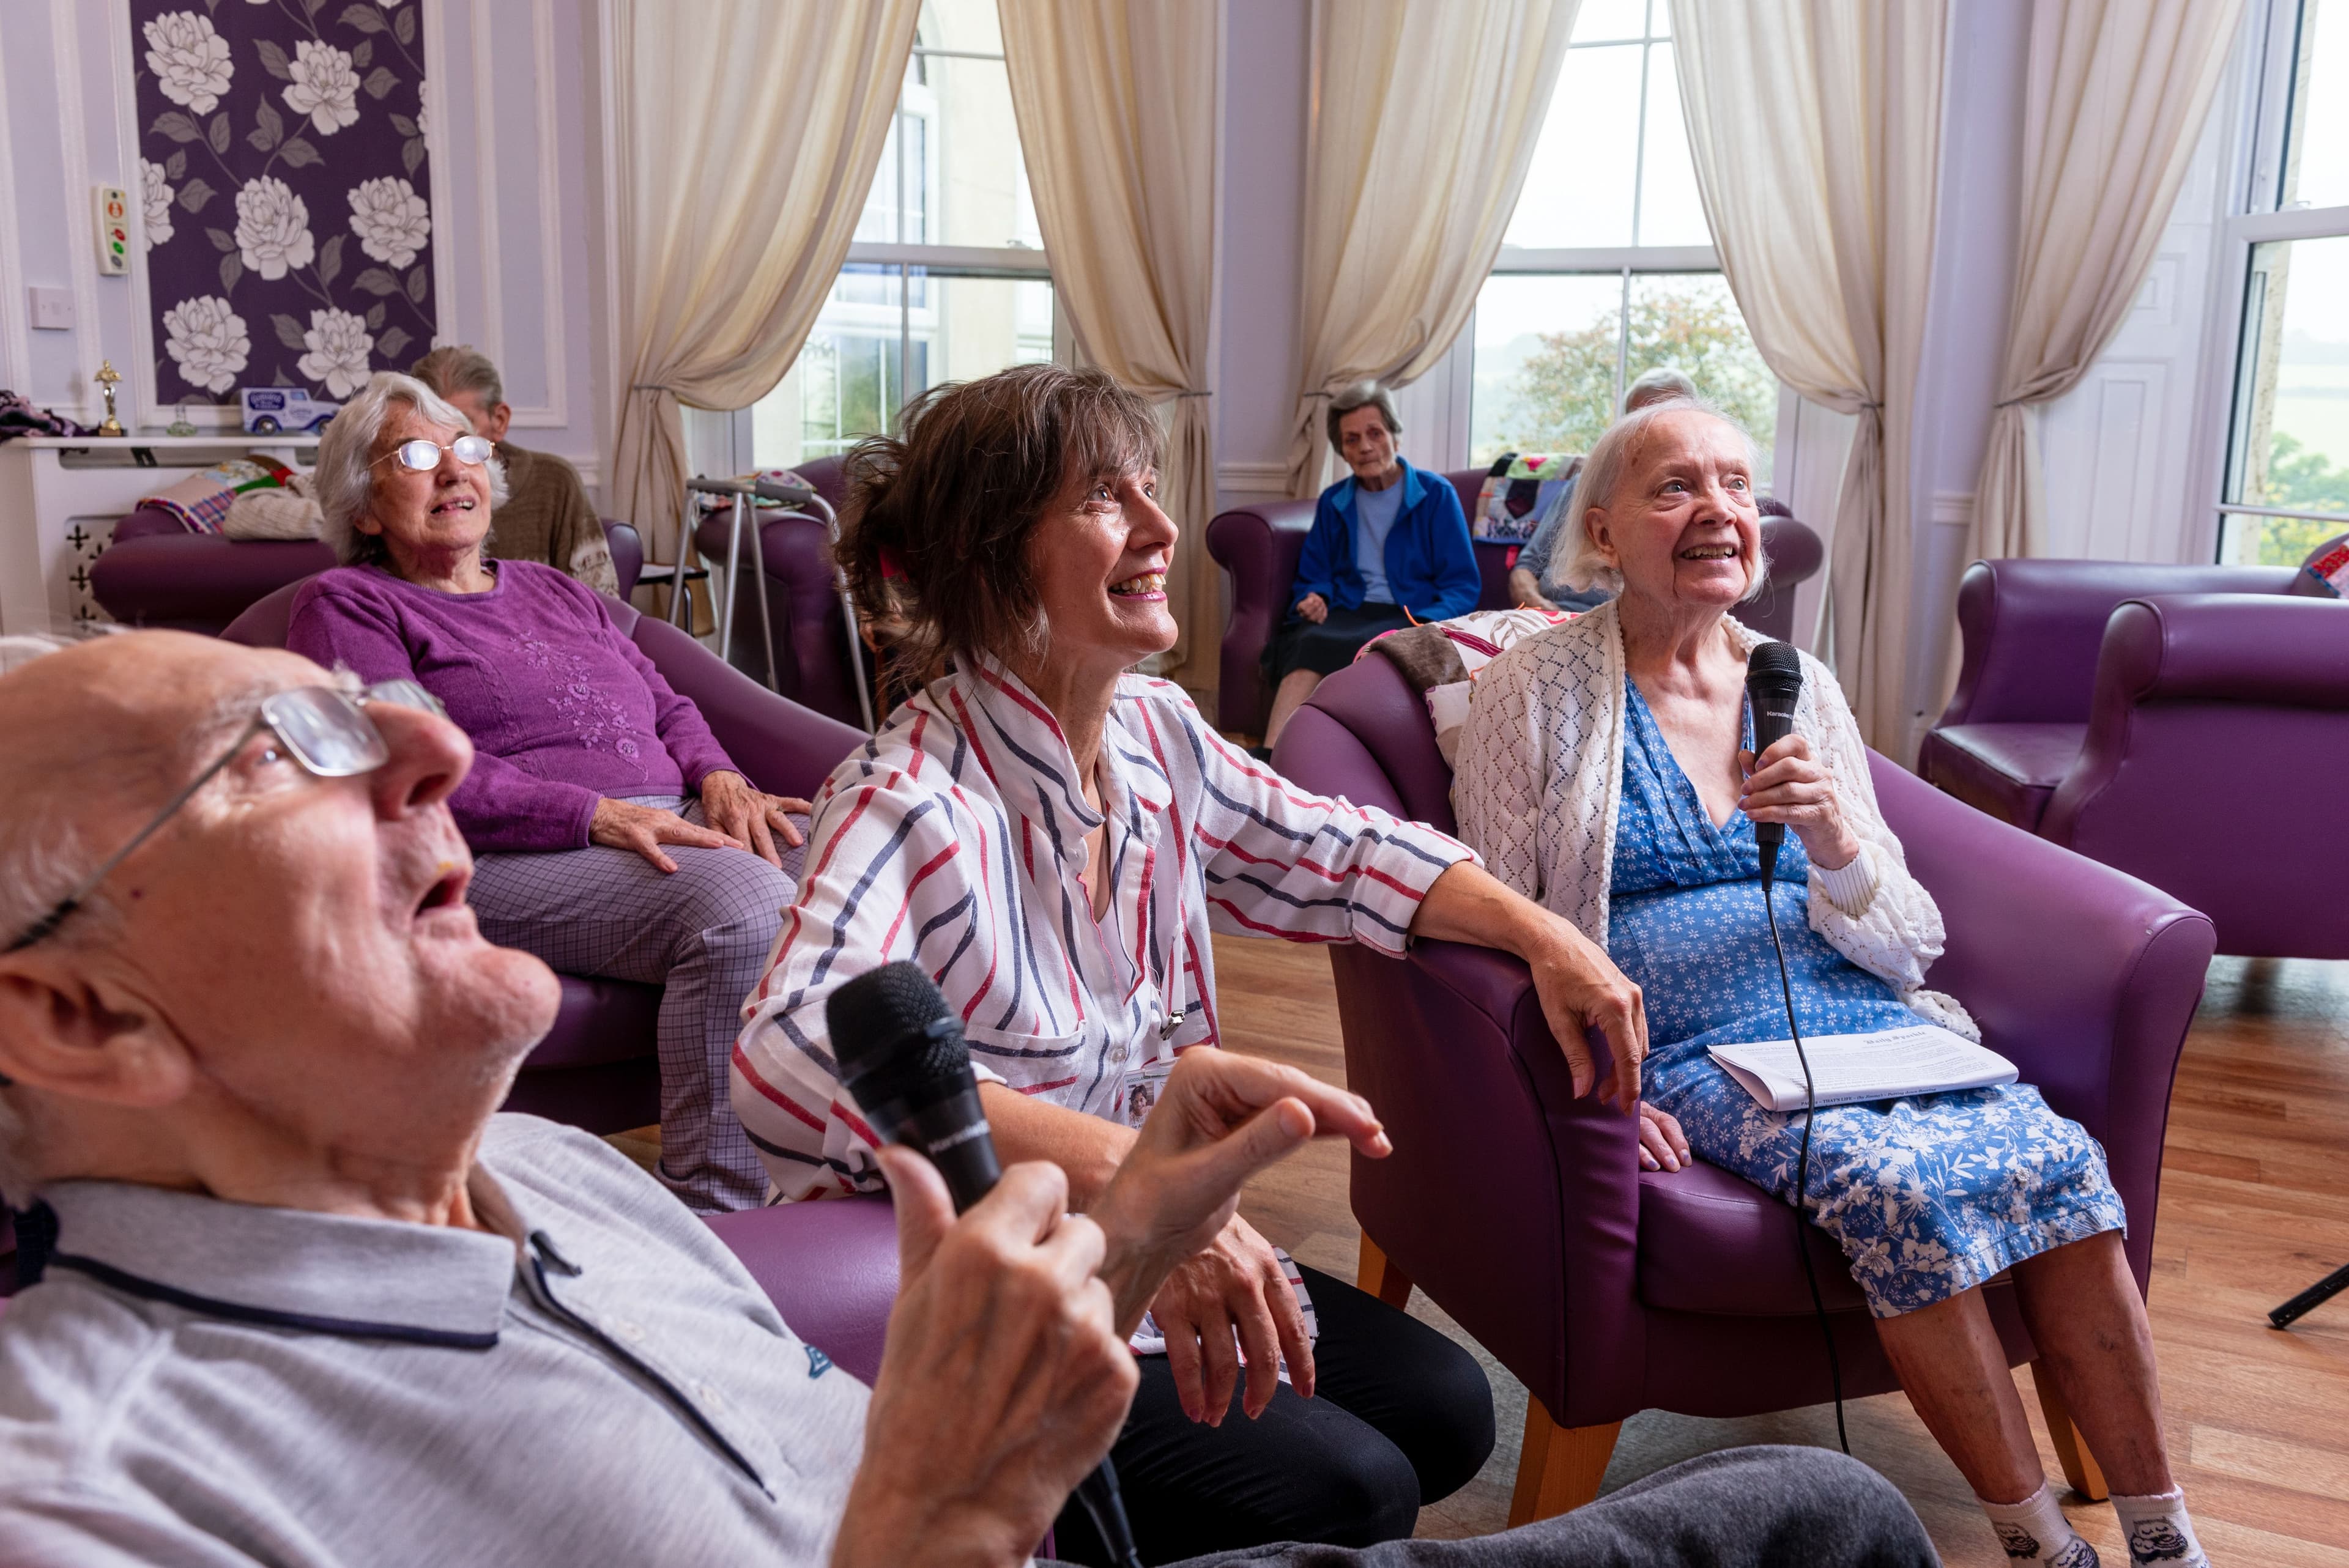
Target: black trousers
1741,1508
1401,1416
1329,645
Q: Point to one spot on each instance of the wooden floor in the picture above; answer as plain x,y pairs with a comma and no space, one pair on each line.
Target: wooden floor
2254,1207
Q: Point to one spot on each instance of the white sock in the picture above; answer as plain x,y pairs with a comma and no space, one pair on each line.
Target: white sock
2036,1531
2158,1533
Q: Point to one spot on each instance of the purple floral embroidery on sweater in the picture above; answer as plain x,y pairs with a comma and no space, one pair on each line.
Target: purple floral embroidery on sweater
595,717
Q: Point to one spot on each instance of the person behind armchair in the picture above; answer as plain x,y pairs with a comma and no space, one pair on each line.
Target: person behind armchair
302,1299
615,836
547,515
1605,771
1534,582
1388,546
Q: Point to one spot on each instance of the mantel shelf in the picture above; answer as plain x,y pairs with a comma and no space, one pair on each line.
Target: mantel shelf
166,443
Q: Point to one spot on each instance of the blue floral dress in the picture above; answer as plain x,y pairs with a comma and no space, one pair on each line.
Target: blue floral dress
1929,1196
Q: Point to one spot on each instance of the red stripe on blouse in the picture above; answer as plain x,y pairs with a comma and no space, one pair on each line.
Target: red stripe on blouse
769,1091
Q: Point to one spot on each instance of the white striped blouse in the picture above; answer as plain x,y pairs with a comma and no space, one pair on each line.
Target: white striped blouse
955,838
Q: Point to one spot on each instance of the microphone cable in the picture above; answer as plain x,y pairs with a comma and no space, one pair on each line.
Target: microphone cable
1803,1162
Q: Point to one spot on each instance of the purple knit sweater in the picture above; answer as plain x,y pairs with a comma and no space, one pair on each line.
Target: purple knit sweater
563,709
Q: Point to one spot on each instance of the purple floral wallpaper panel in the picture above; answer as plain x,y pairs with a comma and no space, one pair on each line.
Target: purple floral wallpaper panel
287,199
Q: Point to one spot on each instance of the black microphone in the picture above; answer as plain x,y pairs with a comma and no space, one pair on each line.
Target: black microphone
1774,679
901,1054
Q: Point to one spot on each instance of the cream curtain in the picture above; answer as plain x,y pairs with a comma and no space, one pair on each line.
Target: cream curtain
1815,126
2118,94
1427,119
1117,102
746,136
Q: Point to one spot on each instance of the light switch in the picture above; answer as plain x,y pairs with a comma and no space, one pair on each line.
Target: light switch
52,309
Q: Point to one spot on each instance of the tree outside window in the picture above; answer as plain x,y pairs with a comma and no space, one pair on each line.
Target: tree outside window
1607,268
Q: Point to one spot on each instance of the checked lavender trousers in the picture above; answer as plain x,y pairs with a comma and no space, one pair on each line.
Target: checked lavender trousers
703,934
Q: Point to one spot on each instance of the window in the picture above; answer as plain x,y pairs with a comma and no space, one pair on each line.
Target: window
1607,268
2287,466
946,279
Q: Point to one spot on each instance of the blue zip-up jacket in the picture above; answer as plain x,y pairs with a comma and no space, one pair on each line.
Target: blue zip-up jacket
1431,565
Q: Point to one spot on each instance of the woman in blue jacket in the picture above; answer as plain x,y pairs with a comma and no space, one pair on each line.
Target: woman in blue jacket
1388,547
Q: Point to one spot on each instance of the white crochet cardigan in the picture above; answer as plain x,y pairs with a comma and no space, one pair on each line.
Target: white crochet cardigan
1539,783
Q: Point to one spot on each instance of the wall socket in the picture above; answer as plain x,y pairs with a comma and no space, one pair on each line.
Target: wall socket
52,309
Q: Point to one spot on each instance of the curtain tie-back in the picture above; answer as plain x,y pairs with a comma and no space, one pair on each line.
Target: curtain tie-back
2013,402
650,386
1857,406
1192,392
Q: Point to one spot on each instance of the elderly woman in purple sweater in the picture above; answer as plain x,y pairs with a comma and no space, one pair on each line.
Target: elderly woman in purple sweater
612,835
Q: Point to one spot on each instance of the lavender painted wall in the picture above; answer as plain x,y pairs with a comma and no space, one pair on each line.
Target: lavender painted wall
1267,78
1965,324
284,191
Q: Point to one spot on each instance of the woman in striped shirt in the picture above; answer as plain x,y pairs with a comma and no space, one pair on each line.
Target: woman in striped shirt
1053,839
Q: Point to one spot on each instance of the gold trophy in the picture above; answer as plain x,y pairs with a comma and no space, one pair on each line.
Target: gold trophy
106,377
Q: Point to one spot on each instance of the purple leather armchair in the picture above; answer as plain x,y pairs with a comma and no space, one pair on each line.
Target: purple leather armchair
811,651
1609,1290
2189,725
157,574
1260,544
598,1067
831,1269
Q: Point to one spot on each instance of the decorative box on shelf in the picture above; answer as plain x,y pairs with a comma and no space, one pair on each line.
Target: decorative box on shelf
60,497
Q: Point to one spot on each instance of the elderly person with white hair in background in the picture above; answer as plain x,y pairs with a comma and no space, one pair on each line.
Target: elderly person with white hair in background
1535,579
615,836
303,1300
545,515
1607,771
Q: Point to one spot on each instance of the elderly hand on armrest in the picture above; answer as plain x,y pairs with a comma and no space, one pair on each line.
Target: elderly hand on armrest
1006,1374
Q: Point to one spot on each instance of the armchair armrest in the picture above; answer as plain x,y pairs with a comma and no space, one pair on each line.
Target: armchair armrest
1514,1204
2082,976
783,747
628,548
2032,629
830,1268
1258,545
2278,650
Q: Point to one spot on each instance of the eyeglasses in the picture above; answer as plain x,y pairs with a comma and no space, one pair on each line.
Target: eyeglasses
325,730
424,456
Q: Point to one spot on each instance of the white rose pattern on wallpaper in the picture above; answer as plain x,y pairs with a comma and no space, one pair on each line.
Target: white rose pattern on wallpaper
325,86
155,200
285,196
338,342
273,228
206,340
191,61
390,219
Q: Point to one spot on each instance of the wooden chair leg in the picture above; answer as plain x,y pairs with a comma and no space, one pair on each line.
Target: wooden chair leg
1560,1468
1378,1277
2072,1453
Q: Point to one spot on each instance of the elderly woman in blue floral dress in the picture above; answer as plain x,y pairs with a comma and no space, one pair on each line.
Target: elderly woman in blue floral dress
1604,771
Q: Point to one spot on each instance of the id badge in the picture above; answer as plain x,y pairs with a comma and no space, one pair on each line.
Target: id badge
1141,1090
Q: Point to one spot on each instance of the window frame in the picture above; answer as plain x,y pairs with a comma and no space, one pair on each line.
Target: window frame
1622,262
911,261
2253,216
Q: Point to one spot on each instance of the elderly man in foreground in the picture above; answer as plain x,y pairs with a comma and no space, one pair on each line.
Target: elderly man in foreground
309,1302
